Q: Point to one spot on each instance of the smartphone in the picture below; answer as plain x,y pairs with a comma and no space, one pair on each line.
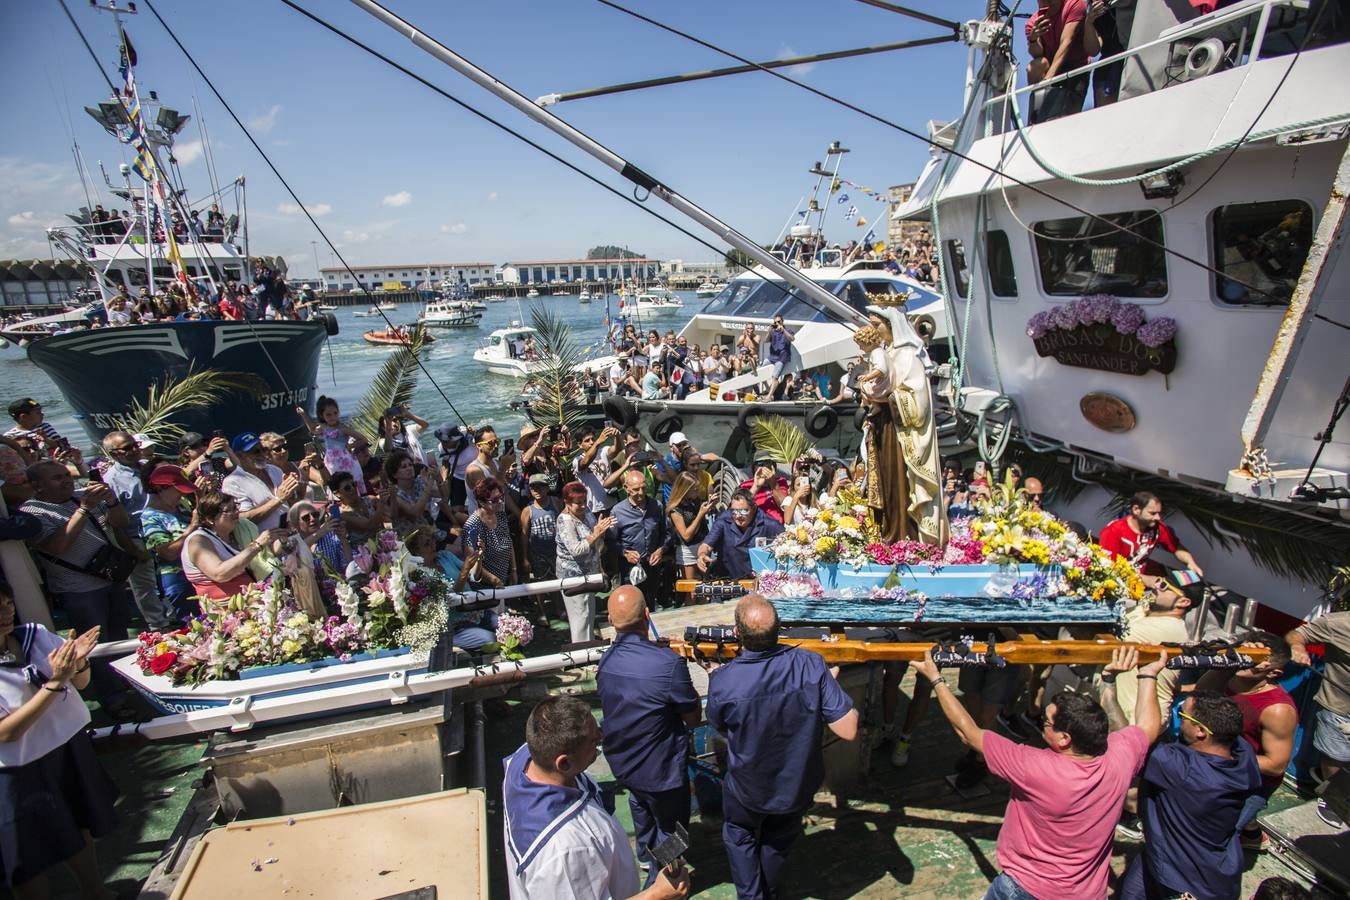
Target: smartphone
217,433
509,446
803,481
311,448
95,475
335,511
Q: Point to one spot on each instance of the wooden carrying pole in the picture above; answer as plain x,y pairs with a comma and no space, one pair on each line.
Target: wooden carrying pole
1038,652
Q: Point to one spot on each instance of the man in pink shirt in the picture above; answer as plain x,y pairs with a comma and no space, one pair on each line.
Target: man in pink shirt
1066,797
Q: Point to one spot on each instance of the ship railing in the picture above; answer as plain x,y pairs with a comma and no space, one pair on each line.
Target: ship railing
1189,32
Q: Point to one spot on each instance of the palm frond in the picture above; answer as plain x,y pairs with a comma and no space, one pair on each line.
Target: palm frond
559,402
169,398
393,385
779,437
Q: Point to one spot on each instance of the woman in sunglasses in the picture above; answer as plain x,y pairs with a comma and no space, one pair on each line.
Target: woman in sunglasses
362,516
488,533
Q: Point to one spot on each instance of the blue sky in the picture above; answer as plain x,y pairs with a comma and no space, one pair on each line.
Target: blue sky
401,175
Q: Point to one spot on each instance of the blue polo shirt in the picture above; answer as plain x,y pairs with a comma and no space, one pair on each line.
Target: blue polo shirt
733,542
772,706
644,689
1190,803
642,529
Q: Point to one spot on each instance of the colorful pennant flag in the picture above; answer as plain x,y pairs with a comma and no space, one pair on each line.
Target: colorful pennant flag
852,211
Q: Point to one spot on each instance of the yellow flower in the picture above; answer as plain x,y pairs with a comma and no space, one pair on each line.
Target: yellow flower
297,621
289,647
802,534
825,517
824,546
848,523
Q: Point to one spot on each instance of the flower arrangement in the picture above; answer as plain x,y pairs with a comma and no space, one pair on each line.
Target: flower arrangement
1107,313
839,530
778,583
387,601
513,632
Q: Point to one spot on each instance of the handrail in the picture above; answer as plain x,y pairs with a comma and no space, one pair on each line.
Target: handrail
1171,36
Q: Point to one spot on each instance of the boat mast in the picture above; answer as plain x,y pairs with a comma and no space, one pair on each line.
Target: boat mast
808,288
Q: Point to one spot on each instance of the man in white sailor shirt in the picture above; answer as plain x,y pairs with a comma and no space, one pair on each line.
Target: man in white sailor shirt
561,840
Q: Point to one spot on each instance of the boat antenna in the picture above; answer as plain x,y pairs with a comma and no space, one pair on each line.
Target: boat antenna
294,196
827,312
643,182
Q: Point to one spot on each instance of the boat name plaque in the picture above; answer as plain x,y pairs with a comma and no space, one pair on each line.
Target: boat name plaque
1102,347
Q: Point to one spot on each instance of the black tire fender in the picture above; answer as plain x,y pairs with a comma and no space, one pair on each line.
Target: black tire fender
621,411
748,412
822,421
666,423
330,324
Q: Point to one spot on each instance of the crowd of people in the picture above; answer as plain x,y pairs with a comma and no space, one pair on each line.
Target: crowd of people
111,226
171,535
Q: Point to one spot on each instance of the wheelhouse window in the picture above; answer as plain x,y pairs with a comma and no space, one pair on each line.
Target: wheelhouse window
957,269
1082,255
1002,278
1261,248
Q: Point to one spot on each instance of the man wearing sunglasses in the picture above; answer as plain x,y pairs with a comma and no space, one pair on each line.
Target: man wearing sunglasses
734,532
1194,797
1057,832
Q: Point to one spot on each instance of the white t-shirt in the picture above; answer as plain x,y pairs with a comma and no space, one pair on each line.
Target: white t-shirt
576,849
598,500
617,374
60,721
250,491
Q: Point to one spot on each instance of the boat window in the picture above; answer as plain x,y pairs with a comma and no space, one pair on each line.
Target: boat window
1262,246
749,297
801,309
956,267
1002,278
1080,256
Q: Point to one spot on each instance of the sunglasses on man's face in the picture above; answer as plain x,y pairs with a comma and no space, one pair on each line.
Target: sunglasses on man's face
309,517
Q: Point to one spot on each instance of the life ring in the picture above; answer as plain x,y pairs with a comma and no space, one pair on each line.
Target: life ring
860,416
620,411
330,324
925,326
822,421
664,425
748,412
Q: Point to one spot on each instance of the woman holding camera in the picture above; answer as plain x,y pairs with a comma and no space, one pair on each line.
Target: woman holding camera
689,509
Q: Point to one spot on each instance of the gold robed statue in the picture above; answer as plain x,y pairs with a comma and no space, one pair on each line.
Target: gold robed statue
899,437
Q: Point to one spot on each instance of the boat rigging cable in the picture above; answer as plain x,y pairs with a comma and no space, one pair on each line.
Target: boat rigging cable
551,99
951,151
285,184
633,201
641,180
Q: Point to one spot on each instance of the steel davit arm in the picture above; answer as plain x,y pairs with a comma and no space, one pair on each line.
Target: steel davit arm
809,289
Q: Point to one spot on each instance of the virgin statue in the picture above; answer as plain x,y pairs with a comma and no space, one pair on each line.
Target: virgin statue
899,438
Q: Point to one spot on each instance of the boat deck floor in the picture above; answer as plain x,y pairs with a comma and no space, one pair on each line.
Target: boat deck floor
904,832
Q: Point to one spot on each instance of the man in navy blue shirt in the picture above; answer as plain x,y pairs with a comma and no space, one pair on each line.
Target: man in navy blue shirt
772,703
649,703
642,538
1194,799
734,532
780,352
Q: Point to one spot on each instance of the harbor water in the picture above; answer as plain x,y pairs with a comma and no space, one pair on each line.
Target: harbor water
348,363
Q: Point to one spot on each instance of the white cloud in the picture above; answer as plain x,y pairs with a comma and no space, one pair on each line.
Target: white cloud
267,121
492,196
786,52
315,209
187,152
456,228
355,237
25,219
402,198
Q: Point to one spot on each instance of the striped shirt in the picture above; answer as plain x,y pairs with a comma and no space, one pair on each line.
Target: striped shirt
45,434
88,541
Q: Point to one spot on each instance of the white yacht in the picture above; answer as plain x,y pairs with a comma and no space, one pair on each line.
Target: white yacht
444,313
388,305
1160,287
584,296
532,294
504,351
707,289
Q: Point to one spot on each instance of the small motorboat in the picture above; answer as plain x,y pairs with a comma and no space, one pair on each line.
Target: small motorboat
392,337
327,307
708,289
373,312
532,294
584,296
388,305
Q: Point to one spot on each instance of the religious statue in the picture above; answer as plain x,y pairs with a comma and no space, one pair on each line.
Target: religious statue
899,437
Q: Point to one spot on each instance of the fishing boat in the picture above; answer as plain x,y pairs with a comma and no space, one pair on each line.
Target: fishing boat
101,371
388,305
397,336
707,289
443,313
1167,311
584,296
532,294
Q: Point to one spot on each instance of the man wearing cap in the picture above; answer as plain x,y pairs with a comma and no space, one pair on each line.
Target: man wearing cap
123,478
670,465
29,420
734,532
772,702
165,528
262,490
457,451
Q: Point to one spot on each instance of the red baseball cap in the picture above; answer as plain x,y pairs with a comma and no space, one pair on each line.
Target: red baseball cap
168,475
